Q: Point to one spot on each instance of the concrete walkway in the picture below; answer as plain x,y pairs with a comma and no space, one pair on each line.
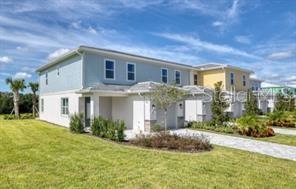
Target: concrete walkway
267,148
284,131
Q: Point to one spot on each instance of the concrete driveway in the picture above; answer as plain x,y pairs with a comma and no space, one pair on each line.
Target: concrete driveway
266,148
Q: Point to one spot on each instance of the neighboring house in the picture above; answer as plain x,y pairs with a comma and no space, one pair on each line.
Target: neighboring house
262,100
101,82
255,84
270,90
232,77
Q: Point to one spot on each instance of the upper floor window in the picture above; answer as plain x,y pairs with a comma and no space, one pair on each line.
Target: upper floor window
164,75
65,106
42,105
244,80
232,78
58,70
46,78
178,77
195,79
109,69
131,72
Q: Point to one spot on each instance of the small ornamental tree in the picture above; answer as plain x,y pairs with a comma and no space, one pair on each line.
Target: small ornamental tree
34,88
219,105
16,86
251,104
291,102
164,96
281,102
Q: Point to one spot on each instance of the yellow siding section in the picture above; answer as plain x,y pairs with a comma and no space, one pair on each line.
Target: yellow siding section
238,80
210,77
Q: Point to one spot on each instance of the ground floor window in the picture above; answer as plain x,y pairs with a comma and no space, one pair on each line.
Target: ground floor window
42,105
65,106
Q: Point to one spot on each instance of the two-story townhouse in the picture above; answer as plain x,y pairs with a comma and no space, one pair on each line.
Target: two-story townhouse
235,81
112,84
108,83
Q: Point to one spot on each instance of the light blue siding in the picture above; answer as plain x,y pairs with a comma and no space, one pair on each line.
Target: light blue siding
145,71
69,77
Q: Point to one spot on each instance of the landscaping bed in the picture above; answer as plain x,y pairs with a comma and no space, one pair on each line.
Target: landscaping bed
247,126
165,141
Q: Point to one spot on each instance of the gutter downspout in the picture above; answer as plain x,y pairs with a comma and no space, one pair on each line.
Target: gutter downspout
82,67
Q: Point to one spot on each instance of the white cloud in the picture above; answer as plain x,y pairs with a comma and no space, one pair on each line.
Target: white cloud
92,30
199,44
5,59
5,74
138,4
280,55
233,11
217,23
242,39
57,53
76,24
22,75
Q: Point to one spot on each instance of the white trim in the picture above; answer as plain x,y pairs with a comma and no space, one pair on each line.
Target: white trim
114,69
176,77
59,92
135,71
162,76
61,106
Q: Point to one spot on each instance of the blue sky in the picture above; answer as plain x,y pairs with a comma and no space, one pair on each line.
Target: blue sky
254,34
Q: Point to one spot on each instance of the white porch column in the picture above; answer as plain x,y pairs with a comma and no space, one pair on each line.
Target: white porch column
94,106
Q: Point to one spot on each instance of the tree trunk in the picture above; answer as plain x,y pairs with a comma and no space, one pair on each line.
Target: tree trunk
16,104
34,104
165,120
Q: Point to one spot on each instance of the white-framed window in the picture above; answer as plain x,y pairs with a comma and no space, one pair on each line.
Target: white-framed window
42,105
46,78
177,77
131,71
64,106
164,75
58,70
231,78
244,81
195,79
109,69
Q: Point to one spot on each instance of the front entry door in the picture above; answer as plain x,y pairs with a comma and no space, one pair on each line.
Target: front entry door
87,112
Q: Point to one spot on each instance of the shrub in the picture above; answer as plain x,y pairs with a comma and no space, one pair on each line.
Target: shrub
22,116
76,123
120,131
250,126
162,140
280,119
106,128
8,117
212,127
156,128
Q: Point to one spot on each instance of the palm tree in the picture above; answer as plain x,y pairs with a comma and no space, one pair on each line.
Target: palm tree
34,87
16,86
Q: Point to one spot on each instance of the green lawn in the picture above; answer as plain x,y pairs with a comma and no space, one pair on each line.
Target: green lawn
35,154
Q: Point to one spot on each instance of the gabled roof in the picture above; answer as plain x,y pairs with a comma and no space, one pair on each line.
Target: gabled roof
82,48
214,66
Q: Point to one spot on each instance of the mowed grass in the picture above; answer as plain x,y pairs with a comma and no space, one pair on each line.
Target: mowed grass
34,154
